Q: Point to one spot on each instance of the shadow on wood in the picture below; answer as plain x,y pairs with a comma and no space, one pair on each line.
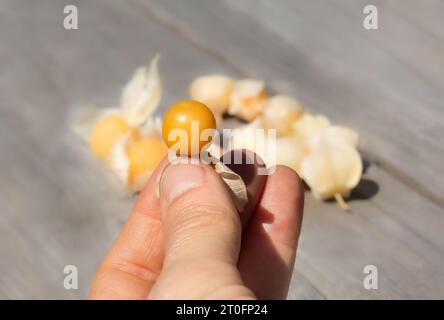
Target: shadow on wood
366,189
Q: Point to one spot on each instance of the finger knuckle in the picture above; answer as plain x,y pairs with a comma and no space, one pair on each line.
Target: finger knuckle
191,216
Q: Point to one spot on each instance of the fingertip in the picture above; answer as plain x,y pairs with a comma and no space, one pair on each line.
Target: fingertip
291,179
280,210
269,247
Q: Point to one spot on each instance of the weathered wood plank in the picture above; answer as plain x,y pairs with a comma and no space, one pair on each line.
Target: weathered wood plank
59,207
389,83
393,212
426,17
302,289
335,246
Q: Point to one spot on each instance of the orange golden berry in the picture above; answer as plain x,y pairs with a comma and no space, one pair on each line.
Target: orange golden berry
191,118
144,155
106,132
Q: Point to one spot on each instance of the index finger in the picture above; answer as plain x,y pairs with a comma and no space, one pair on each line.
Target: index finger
135,260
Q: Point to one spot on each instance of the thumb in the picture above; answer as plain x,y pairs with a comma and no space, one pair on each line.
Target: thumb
202,236
199,217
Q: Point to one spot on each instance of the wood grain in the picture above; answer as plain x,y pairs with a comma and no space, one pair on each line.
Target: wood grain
58,206
389,83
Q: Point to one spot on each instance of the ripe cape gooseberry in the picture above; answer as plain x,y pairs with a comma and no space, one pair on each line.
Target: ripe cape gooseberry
188,127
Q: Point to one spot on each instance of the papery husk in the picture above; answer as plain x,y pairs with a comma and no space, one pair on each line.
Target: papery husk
141,96
335,135
248,99
235,183
332,171
152,127
248,137
117,159
290,152
213,90
280,113
308,125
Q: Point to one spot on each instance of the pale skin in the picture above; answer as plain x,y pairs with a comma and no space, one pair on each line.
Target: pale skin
190,243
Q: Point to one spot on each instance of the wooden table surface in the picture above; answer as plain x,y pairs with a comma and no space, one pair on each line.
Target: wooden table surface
58,206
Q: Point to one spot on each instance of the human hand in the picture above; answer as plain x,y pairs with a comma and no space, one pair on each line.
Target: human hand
190,243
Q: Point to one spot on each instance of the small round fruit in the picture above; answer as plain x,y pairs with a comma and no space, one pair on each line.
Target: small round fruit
185,127
106,132
144,155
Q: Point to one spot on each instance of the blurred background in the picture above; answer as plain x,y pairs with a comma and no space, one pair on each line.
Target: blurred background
59,206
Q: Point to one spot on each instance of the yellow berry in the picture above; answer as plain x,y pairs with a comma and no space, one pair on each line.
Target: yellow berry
185,127
144,155
106,132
